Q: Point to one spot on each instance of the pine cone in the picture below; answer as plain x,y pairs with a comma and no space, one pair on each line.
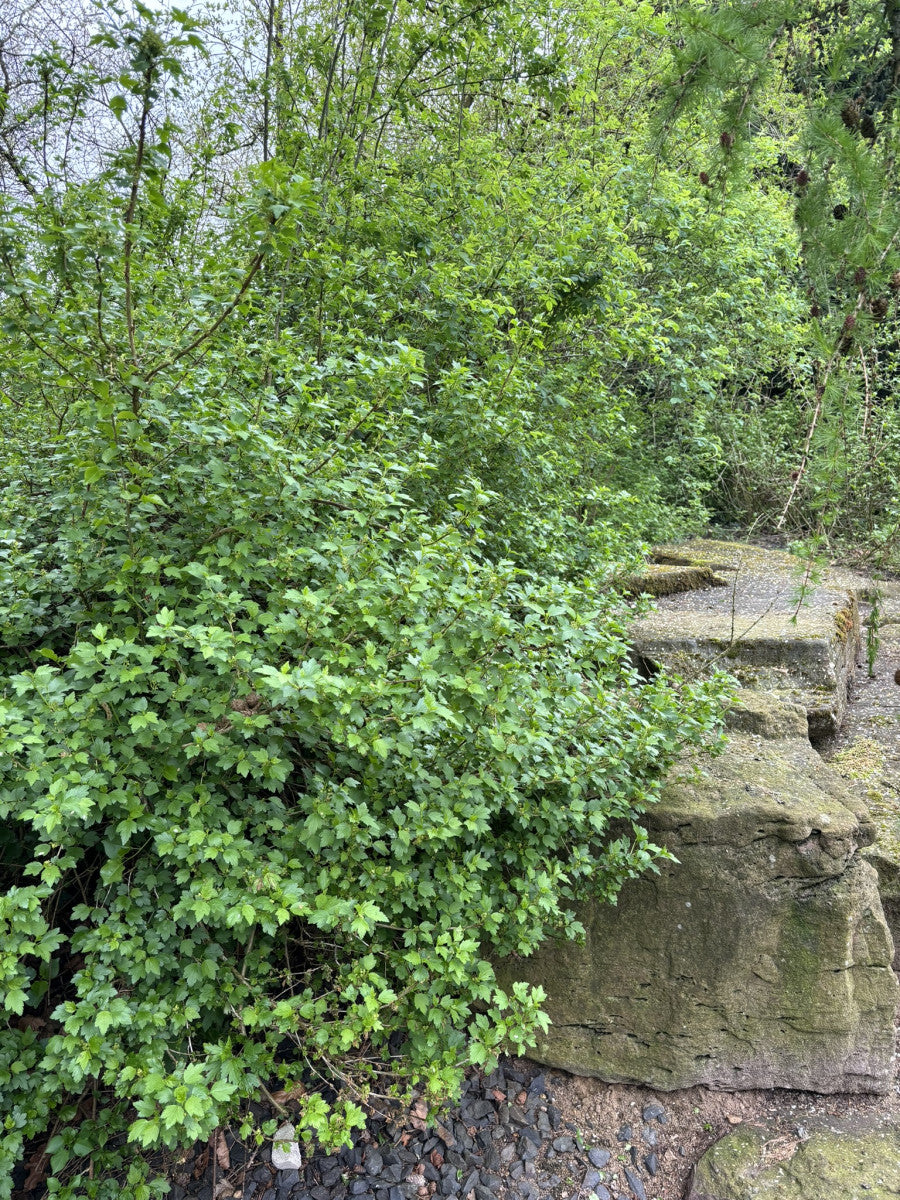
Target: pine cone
704,178
840,211
849,323
894,283
868,128
815,311
726,140
802,178
880,307
859,276
850,114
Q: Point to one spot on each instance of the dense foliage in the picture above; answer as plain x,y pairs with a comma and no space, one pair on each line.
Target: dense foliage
352,355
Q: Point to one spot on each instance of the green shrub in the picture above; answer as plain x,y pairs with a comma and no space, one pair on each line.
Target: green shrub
291,766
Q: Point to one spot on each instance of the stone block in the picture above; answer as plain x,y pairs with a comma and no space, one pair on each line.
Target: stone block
761,958
774,625
854,1159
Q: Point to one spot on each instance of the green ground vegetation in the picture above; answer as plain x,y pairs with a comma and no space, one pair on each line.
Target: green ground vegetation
352,355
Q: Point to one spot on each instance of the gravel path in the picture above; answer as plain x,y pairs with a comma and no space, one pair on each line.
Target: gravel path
523,1133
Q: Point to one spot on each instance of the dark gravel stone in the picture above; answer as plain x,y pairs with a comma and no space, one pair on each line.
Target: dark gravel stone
527,1190
649,1135
529,1135
591,1179
602,1193
178,1193
624,1134
268,1194
461,1133
392,1173
396,1193
528,1151
651,1162
564,1145
653,1112
632,1150
449,1186
543,1123
331,1174
471,1179
538,1085
484,1193
478,1110
555,1116
635,1184
260,1174
599,1158
374,1163
205,1192
516,1171
358,1186
516,1114
320,1193
492,1159
287,1178
431,1172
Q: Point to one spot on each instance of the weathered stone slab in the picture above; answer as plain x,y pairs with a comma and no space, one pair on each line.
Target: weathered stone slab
775,626
760,959
833,1160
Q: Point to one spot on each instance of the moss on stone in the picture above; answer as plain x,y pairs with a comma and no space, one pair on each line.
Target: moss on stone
661,580
760,959
844,1160
863,759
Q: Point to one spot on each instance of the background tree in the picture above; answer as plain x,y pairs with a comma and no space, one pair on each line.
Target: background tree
823,81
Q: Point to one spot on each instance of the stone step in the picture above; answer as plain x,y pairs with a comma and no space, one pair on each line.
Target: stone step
775,625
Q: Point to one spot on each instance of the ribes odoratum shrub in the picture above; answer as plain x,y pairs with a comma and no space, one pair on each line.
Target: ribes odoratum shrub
282,764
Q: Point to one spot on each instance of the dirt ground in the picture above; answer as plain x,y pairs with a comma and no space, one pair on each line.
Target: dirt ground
695,1118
